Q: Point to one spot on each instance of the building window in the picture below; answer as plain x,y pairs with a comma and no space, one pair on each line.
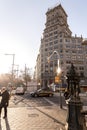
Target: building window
60,40
55,42
73,46
67,40
68,62
51,43
50,34
67,51
61,62
61,35
56,47
80,51
55,37
79,40
81,74
46,40
81,68
46,44
73,51
73,41
46,49
67,46
51,48
50,39
55,32
61,51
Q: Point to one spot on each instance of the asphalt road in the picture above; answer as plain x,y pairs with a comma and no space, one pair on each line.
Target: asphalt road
27,100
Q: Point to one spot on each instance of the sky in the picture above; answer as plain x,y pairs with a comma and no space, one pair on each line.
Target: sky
22,23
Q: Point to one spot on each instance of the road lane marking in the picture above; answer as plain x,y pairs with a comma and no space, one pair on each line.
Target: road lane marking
52,103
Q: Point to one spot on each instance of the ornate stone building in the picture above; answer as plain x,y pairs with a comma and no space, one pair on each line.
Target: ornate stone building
57,37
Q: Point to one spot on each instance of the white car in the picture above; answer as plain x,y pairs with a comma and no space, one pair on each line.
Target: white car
20,90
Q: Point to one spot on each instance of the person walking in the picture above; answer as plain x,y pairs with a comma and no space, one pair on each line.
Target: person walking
4,101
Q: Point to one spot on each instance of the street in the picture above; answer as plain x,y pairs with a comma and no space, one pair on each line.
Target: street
41,113
27,100
29,113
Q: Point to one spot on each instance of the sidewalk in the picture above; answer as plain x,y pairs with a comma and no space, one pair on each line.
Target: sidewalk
30,118
35,118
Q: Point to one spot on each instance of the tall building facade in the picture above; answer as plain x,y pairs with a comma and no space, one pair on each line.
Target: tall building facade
59,43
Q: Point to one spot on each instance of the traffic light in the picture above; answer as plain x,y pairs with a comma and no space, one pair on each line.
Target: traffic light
57,79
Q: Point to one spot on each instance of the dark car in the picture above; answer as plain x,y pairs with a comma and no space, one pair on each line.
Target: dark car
42,93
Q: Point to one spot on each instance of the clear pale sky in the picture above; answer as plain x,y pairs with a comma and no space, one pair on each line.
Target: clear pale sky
22,23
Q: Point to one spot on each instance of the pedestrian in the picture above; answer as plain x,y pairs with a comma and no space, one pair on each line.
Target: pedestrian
4,101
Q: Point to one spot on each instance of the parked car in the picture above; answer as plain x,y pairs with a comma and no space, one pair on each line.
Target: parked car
20,90
42,92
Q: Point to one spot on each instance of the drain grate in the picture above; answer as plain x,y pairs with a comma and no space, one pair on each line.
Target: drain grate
33,115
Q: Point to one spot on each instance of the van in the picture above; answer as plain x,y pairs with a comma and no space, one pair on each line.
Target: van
20,90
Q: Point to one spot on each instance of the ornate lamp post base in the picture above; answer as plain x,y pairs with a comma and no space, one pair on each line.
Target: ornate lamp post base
75,114
75,119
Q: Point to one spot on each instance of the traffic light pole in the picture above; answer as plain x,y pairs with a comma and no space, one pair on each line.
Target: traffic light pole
60,96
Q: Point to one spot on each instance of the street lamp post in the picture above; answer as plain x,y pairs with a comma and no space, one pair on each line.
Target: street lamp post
16,70
57,78
13,55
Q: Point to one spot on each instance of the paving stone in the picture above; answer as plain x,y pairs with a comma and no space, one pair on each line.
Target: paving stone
25,118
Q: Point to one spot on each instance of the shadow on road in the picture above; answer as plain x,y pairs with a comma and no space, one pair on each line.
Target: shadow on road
39,102
0,125
7,124
54,119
